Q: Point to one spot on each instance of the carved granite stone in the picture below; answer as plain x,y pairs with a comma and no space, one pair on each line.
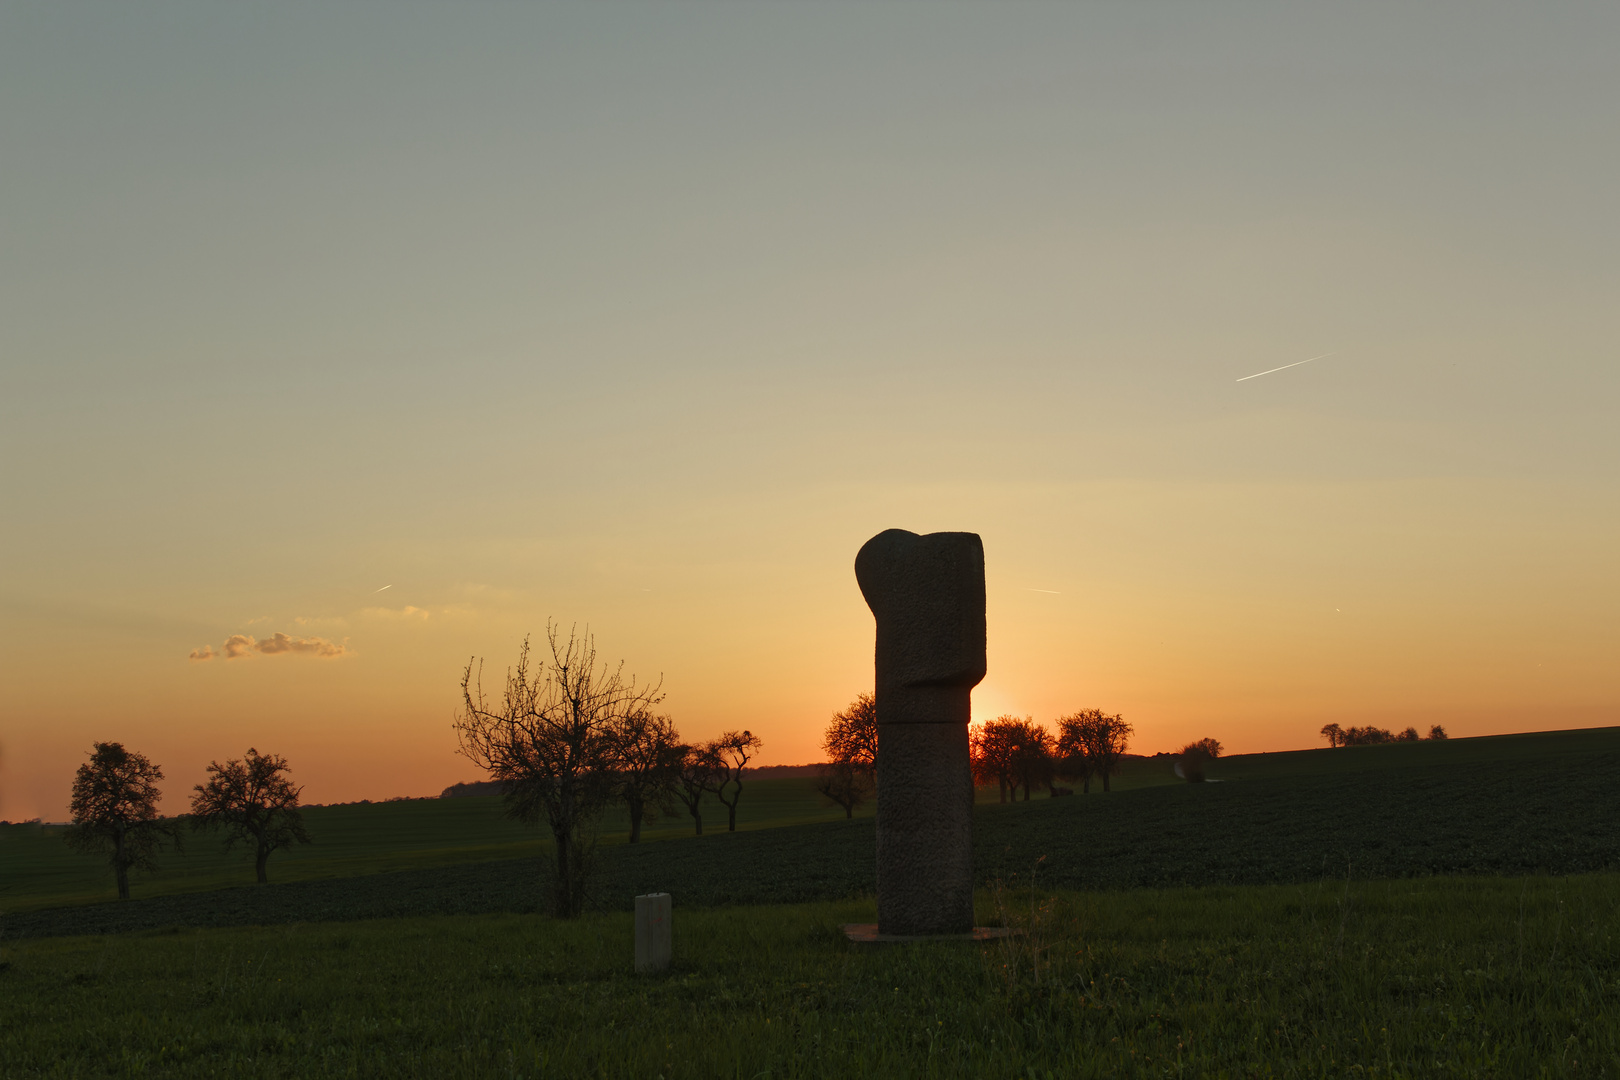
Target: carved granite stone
927,595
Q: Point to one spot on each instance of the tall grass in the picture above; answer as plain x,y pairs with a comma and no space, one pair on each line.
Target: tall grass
1337,977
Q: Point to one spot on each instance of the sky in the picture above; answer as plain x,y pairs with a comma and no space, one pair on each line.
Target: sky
399,331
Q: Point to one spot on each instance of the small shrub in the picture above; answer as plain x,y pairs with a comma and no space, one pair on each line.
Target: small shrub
1194,756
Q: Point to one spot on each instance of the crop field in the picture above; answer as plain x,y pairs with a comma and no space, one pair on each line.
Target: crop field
1447,976
38,870
1406,910
1506,806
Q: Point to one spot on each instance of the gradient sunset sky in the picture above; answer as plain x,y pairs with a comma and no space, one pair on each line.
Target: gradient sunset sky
396,330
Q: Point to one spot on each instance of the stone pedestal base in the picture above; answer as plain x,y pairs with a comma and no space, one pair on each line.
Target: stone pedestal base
866,933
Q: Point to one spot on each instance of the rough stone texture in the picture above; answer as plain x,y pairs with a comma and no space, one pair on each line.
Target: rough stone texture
927,595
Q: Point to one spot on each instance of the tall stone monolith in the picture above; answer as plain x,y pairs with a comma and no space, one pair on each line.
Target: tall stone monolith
927,594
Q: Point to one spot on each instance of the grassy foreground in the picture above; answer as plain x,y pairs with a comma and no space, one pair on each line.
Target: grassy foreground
1428,977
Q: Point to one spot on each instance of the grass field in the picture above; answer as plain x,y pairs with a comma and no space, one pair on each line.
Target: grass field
1420,909
38,870
1468,977
1509,805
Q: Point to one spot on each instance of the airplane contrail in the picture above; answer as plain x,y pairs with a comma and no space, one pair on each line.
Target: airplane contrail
1054,592
384,588
1285,367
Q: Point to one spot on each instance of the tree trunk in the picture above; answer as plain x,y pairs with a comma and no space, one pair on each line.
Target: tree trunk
1085,784
731,817
259,864
120,867
567,870
849,811
636,810
1001,785
697,819
1105,780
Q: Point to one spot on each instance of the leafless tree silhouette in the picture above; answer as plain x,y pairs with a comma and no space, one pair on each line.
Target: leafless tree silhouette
731,752
551,738
696,773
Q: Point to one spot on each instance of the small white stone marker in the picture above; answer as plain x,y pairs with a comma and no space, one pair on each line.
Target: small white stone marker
652,932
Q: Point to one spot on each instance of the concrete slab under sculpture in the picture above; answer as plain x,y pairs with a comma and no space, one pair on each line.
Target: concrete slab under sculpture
868,934
927,596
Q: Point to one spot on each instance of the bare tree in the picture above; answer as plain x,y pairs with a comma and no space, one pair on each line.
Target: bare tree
852,737
253,802
845,784
646,749
696,773
550,737
114,808
731,753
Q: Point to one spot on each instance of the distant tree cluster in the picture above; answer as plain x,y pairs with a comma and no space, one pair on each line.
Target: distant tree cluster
1370,736
114,808
570,736
1013,752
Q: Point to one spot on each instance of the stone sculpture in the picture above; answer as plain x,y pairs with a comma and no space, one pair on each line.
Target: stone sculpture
927,595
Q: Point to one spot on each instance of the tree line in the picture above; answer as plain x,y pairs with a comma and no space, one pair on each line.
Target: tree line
1371,736
566,738
1009,751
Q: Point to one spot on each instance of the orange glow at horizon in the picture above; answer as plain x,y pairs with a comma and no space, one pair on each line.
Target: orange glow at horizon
1259,661
313,387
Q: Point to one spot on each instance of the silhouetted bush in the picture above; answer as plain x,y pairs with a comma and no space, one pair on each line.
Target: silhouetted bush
1194,756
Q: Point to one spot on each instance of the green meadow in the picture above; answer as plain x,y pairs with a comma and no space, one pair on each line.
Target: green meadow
355,839
38,870
1465,977
1445,908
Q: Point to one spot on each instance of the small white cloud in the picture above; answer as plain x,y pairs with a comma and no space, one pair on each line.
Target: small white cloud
239,645
281,643
205,653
